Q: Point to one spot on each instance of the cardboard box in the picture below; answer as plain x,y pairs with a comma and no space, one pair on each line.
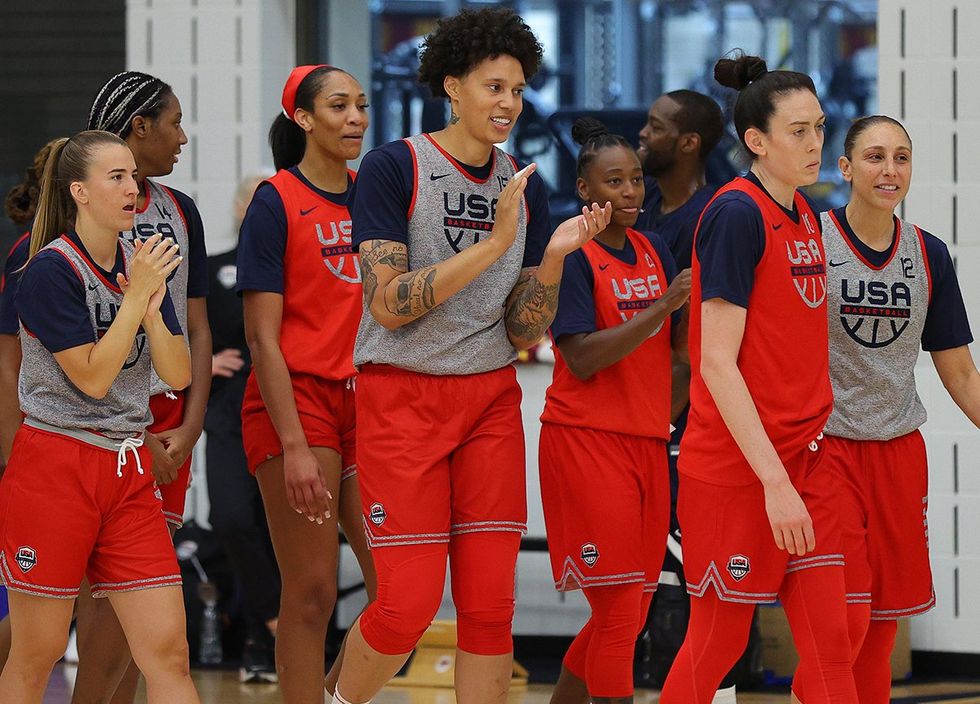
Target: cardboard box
779,656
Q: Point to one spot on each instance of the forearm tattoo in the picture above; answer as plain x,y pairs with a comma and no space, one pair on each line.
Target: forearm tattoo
414,294
375,252
531,307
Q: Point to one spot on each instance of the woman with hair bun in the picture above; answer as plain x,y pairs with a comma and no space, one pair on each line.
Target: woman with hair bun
301,284
606,421
893,290
756,501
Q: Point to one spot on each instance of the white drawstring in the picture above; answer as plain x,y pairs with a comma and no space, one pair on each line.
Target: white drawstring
171,395
132,444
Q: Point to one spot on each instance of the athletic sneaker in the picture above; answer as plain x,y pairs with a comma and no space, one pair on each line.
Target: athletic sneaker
259,661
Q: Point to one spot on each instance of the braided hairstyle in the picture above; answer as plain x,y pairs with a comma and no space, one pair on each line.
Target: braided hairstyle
125,96
594,137
21,201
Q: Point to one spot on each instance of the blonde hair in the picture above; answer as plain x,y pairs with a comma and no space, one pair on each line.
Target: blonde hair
68,161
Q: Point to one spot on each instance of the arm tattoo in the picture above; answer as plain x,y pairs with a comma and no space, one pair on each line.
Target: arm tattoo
385,253
531,307
414,293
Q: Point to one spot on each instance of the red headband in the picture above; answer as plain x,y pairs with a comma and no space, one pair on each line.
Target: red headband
296,77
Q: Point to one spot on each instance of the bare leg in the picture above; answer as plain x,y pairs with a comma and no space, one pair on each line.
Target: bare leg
39,635
569,689
307,557
483,679
154,623
103,653
366,670
353,527
4,641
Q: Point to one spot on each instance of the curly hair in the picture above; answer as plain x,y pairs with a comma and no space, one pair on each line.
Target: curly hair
461,42
21,201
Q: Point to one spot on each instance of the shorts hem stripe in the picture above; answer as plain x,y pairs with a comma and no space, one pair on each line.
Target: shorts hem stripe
712,577
892,614
14,584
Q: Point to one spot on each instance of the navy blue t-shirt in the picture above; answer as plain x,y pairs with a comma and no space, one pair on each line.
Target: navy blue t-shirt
576,303
51,300
731,242
262,237
947,325
9,325
676,227
197,258
382,196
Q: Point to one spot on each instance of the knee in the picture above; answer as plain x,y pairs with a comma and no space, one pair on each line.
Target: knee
169,658
394,622
39,656
484,618
310,598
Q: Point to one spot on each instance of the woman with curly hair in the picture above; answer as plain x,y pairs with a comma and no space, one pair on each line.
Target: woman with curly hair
460,271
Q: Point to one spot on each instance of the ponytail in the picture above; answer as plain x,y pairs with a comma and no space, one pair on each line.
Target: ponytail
287,139
67,163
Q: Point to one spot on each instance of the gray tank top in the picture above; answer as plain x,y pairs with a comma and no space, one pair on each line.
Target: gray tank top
163,215
876,319
46,393
452,211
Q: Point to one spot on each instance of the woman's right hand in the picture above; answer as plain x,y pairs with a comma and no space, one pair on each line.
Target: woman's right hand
306,488
161,463
792,527
152,262
509,204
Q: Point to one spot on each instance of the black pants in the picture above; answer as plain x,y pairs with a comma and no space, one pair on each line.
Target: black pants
237,516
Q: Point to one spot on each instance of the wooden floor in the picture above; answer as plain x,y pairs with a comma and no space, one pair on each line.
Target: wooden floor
223,688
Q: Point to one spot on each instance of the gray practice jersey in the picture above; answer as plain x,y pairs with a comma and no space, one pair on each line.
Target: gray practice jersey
46,393
161,214
876,319
451,211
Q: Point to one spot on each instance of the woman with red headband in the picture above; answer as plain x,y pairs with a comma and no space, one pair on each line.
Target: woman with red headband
301,283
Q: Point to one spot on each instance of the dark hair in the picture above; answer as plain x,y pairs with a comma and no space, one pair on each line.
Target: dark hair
700,114
125,96
594,137
459,43
863,123
758,89
21,200
287,139
68,161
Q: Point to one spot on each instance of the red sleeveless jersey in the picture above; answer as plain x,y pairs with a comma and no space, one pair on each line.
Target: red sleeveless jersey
784,354
633,395
321,305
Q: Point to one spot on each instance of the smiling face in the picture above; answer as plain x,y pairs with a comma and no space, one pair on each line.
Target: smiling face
614,175
790,147
659,137
879,168
157,141
339,118
488,99
107,194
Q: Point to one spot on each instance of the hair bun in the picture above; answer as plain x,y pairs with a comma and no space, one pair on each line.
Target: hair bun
738,72
586,129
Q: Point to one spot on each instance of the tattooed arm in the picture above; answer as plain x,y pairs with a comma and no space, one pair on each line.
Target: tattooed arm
533,301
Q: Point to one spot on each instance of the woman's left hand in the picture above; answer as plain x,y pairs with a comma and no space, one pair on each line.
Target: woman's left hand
575,232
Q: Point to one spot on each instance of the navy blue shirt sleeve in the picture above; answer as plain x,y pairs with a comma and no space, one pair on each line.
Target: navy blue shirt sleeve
197,258
947,325
51,303
382,194
730,243
576,303
539,220
9,325
670,267
262,243
169,314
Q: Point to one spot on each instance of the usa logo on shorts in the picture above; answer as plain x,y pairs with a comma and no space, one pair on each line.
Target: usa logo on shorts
378,514
590,553
157,493
738,567
26,558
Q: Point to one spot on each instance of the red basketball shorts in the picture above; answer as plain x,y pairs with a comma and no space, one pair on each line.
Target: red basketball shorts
728,541
168,413
326,412
439,455
884,499
606,503
65,513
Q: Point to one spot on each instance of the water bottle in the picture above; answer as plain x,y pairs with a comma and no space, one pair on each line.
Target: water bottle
210,644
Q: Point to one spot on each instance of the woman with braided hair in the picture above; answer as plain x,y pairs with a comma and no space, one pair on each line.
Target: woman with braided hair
145,112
